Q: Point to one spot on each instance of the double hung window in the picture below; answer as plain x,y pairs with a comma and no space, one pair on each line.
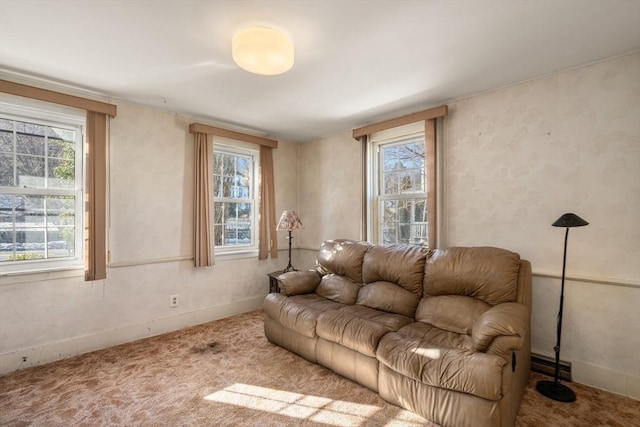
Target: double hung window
399,188
235,172
41,189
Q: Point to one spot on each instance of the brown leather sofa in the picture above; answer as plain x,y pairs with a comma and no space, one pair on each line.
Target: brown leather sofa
443,333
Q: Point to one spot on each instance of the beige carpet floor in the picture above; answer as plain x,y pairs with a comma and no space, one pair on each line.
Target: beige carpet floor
225,373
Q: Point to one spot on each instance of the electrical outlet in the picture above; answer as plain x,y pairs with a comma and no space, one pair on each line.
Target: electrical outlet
173,300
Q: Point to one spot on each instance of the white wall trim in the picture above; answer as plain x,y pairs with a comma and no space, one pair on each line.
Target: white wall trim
598,280
50,352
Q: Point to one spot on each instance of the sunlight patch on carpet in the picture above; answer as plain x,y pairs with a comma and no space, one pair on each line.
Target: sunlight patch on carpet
295,405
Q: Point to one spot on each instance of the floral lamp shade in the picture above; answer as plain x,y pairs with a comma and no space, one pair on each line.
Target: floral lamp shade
289,221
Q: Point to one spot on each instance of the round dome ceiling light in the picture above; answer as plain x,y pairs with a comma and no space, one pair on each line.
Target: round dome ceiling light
262,50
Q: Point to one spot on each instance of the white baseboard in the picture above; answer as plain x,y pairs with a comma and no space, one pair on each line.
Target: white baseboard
606,379
50,352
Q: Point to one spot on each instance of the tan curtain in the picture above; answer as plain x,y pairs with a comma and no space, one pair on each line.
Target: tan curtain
267,241
430,170
203,253
96,197
364,143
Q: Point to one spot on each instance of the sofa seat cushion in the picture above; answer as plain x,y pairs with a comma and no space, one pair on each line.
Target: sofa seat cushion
300,312
455,313
456,369
437,337
359,328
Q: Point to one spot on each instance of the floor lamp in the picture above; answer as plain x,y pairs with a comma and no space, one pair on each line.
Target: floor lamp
289,221
553,389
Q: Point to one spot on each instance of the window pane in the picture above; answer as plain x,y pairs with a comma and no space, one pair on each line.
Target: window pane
218,213
31,212
6,124
60,148
404,221
60,242
38,156
6,141
6,210
402,168
61,173
30,244
60,210
44,227
390,180
390,158
6,170
227,186
237,224
217,235
30,171
29,143
233,203
62,134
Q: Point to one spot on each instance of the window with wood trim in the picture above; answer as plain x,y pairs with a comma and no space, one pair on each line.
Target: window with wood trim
235,194
400,208
400,211
41,188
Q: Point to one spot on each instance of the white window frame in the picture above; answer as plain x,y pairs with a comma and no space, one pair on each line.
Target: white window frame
239,148
375,216
14,108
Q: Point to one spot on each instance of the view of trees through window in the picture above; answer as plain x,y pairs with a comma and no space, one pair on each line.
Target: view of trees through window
38,191
402,216
233,198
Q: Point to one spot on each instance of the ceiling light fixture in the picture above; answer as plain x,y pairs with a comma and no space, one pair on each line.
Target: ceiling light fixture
262,50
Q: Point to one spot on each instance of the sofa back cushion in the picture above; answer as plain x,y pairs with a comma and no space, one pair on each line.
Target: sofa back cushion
489,274
338,288
388,297
399,264
453,313
342,257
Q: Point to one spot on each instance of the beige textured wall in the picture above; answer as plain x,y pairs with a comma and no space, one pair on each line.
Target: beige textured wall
515,160
330,190
47,316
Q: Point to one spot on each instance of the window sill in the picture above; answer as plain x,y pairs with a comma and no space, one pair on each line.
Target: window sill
41,274
228,256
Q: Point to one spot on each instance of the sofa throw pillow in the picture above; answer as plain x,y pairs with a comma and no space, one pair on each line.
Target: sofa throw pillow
388,297
338,288
298,282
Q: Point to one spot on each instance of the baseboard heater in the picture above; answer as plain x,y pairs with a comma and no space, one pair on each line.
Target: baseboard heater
547,365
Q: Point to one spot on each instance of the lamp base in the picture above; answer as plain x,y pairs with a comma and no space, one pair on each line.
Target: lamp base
556,391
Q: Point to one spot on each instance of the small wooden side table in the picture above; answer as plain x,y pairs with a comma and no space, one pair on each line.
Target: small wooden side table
273,281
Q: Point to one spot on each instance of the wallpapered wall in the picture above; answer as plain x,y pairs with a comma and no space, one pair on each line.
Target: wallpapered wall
518,158
515,159
47,316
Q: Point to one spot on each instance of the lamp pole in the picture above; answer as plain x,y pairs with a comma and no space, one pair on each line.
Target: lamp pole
553,389
289,267
559,325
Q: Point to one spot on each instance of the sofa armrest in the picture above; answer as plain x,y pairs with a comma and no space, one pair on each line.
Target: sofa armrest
501,329
299,282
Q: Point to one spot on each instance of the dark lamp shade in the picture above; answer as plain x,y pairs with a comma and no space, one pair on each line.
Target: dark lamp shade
570,220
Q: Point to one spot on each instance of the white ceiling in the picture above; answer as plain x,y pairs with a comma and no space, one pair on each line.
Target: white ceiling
356,61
